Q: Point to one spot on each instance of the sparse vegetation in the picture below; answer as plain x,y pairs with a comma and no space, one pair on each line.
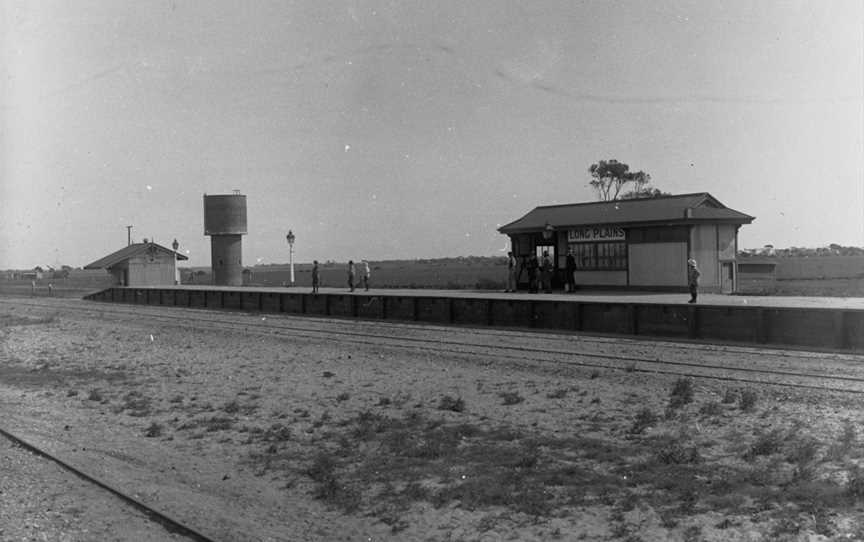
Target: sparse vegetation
135,404
749,398
674,452
575,443
711,409
681,394
766,444
511,397
644,419
454,404
855,484
153,430
560,393
329,488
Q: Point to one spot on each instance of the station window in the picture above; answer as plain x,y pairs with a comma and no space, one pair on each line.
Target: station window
600,256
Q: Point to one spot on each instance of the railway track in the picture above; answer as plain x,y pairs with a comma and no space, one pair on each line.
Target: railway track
842,373
169,523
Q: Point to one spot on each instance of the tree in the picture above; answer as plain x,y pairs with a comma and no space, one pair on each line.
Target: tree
645,192
610,176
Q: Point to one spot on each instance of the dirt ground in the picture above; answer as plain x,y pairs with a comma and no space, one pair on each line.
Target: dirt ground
253,437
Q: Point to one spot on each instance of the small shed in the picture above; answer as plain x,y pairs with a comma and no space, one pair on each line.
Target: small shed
141,264
638,243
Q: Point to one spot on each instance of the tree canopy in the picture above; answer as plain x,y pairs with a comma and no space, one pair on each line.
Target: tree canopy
644,192
609,177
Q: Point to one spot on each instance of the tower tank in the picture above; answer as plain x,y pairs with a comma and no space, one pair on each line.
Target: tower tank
225,223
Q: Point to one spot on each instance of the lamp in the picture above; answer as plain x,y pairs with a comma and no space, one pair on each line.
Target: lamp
548,231
175,245
290,238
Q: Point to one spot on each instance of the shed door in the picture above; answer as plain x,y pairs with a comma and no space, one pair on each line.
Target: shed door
727,279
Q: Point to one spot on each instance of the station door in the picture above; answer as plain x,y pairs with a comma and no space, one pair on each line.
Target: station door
727,277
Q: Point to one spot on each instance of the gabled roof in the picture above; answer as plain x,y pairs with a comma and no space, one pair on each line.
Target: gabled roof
679,209
128,252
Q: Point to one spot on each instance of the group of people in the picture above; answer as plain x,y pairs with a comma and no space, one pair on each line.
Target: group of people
540,274
539,271
366,275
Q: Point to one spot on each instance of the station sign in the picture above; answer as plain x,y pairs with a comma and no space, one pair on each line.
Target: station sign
589,234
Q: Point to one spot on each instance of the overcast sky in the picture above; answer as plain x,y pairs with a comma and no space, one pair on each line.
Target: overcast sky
386,130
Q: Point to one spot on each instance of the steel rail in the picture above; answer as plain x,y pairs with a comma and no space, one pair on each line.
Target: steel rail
169,523
362,338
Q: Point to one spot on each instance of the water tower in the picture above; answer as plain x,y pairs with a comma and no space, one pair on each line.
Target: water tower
225,223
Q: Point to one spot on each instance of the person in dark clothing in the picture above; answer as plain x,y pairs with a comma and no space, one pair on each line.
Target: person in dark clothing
352,273
532,265
316,277
570,269
546,272
692,279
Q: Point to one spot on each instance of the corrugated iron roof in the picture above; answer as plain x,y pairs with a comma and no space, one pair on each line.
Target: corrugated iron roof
127,252
682,208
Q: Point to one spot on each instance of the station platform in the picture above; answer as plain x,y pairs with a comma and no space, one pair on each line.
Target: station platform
819,323
598,296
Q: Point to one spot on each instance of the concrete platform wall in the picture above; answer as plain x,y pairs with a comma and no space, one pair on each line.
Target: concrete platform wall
820,329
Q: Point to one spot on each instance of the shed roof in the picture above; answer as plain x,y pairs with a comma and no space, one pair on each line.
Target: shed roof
128,252
677,209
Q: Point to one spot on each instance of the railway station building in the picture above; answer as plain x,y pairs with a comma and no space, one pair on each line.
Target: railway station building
639,244
141,264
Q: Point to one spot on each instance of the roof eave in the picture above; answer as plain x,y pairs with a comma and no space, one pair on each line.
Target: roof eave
646,223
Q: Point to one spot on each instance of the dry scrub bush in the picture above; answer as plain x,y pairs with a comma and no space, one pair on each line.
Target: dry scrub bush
511,397
676,453
328,488
845,443
557,394
644,419
855,484
154,430
748,400
453,404
766,444
681,394
711,409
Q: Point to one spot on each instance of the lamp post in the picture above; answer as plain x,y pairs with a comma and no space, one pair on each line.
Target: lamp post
548,232
175,245
290,238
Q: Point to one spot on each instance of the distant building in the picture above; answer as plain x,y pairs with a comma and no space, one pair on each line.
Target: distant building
638,243
141,264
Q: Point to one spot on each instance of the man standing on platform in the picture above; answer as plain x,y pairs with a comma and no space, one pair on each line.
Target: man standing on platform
316,277
511,272
367,275
546,272
692,279
352,274
570,270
